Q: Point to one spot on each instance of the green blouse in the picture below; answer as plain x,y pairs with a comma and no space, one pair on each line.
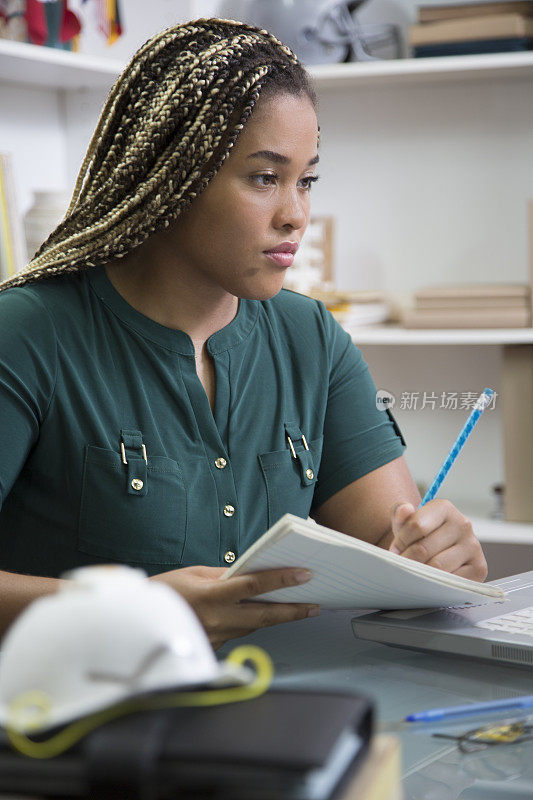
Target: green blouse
109,449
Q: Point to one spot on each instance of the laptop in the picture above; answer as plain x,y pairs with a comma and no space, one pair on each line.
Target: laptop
500,631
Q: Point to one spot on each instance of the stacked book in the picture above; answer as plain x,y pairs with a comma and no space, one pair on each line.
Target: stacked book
496,26
471,306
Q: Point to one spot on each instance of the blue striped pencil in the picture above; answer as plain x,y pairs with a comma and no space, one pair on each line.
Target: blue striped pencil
481,404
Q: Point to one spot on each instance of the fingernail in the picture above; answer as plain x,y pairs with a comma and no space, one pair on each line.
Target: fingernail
394,549
314,612
302,575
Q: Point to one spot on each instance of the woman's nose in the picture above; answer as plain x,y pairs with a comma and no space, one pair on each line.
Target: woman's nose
293,210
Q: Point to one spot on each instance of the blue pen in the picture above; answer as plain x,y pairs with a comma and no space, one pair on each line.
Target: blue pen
481,404
472,709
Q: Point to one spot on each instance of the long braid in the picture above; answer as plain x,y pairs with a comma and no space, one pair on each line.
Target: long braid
168,124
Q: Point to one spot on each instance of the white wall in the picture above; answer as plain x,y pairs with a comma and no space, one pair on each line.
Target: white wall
428,183
31,130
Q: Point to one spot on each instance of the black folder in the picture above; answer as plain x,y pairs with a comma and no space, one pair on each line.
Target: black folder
302,745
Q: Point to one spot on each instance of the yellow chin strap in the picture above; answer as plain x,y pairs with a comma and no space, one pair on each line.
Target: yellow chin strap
31,709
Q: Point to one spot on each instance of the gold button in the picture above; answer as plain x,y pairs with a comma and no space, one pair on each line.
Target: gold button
229,511
220,463
229,557
310,474
137,484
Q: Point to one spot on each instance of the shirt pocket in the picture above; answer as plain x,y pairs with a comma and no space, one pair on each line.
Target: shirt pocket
148,528
282,475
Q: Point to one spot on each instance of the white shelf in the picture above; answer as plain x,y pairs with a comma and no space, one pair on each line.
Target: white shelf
29,64
22,63
392,335
500,531
424,70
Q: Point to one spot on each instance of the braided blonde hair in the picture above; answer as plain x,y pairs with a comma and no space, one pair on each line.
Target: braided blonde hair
168,123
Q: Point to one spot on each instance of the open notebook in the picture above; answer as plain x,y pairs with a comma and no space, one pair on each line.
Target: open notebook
348,573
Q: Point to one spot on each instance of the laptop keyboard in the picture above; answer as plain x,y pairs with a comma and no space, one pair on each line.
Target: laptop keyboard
514,622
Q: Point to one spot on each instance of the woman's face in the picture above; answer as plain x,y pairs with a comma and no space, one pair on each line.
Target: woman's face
255,202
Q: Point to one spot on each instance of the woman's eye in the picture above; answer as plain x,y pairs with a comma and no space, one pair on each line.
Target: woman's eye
268,178
310,180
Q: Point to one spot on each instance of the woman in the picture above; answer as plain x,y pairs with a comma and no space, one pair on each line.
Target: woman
162,401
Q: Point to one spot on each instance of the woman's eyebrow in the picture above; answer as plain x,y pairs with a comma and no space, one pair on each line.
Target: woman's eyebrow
270,155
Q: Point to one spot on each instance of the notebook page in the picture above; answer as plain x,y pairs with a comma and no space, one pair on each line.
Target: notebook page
346,577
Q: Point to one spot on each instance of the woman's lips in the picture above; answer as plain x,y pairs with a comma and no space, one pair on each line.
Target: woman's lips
283,259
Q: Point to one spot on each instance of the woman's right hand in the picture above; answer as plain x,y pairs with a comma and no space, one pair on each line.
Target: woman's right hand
224,607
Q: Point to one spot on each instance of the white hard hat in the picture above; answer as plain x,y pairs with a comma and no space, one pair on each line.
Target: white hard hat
108,634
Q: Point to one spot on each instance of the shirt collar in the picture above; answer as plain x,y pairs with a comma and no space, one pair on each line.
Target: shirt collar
231,335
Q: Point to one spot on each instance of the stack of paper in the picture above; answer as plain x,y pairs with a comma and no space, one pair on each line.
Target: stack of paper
353,309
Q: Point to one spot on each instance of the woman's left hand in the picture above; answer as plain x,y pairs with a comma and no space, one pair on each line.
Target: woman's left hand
439,535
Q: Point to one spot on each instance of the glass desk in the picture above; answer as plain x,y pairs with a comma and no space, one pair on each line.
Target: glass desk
323,653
